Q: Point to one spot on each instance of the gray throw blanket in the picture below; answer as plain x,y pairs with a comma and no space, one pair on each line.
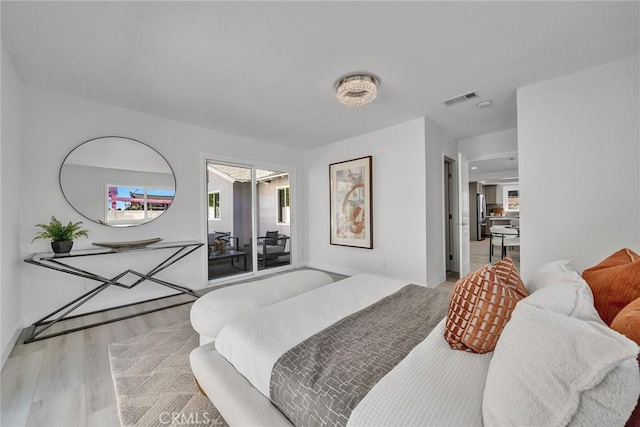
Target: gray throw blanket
321,380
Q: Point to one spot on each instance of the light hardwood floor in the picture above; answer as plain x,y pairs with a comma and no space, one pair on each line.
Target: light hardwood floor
66,380
479,251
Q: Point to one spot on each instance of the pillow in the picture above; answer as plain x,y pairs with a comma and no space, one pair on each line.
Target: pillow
553,369
508,273
573,299
627,322
560,271
615,282
480,306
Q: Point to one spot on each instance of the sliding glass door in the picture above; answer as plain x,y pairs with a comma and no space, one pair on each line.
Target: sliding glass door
274,218
236,194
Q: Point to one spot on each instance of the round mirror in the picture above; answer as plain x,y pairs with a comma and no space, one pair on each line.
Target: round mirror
117,181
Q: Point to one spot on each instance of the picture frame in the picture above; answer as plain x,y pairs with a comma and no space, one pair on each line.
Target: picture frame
351,203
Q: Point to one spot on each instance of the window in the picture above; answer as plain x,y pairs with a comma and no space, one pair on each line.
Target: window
214,205
284,209
136,203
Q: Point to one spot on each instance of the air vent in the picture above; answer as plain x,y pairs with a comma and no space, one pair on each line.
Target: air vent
460,98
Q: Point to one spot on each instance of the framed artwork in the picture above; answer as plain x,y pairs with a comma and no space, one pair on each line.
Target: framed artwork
351,207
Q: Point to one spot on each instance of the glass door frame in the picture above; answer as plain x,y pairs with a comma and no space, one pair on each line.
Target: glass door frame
293,226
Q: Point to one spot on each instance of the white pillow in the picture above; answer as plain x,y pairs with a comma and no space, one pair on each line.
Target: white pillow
553,272
573,299
549,369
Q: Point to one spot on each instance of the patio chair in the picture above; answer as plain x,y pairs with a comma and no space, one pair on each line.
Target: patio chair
272,246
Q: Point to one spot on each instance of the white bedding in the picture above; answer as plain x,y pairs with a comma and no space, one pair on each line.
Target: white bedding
254,342
433,385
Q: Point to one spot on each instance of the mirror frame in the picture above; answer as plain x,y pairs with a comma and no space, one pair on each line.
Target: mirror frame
175,181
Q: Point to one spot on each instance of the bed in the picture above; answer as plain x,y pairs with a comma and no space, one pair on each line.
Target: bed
280,364
253,343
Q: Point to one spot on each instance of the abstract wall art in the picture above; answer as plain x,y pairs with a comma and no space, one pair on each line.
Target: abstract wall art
351,207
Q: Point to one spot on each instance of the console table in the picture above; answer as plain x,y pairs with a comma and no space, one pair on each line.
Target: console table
60,262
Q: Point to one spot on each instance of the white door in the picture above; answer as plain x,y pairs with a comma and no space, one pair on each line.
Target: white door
464,256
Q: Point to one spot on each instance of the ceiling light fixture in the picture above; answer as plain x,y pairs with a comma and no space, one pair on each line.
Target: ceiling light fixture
484,104
474,167
357,90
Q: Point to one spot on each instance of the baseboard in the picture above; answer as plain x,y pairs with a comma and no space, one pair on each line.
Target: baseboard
6,351
437,281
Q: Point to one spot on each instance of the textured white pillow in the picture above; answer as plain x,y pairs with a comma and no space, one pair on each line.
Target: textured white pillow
573,299
559,271
550,369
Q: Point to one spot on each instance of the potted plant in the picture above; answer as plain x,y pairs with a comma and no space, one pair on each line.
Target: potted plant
61,236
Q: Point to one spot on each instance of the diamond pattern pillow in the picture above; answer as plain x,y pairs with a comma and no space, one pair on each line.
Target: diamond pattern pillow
480,307
508,273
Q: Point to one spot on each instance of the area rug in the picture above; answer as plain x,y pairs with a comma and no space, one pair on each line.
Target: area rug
153,380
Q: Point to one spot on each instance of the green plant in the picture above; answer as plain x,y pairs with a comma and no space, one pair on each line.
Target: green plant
57,232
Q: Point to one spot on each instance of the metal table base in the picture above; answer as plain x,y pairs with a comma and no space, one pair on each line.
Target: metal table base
58,262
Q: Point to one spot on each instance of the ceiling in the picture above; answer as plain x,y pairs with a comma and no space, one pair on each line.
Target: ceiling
494,165
266,70
494,171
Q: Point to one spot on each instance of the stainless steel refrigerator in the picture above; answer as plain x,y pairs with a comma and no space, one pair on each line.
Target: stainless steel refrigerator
481,213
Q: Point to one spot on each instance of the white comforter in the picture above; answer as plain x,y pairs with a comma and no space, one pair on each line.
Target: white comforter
433,385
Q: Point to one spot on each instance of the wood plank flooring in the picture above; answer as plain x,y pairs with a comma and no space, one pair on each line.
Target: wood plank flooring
66,380
479,251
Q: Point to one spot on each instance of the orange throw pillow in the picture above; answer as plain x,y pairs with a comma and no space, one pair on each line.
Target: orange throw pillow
615,282
627,322
508,273
480,307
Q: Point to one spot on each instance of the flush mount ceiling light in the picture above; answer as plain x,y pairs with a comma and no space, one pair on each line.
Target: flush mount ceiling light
357,90
484,104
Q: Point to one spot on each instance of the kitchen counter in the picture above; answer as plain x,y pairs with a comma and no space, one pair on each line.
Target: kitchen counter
496,221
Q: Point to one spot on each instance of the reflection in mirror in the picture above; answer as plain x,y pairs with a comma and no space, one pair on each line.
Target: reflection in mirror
117,181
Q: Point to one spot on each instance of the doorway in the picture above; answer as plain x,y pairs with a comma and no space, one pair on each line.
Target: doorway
495,176
448,215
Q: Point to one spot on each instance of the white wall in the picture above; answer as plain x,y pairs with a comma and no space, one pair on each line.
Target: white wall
438,145
489,146
579,151
55,124
225,187
10,206
399,202
267,201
